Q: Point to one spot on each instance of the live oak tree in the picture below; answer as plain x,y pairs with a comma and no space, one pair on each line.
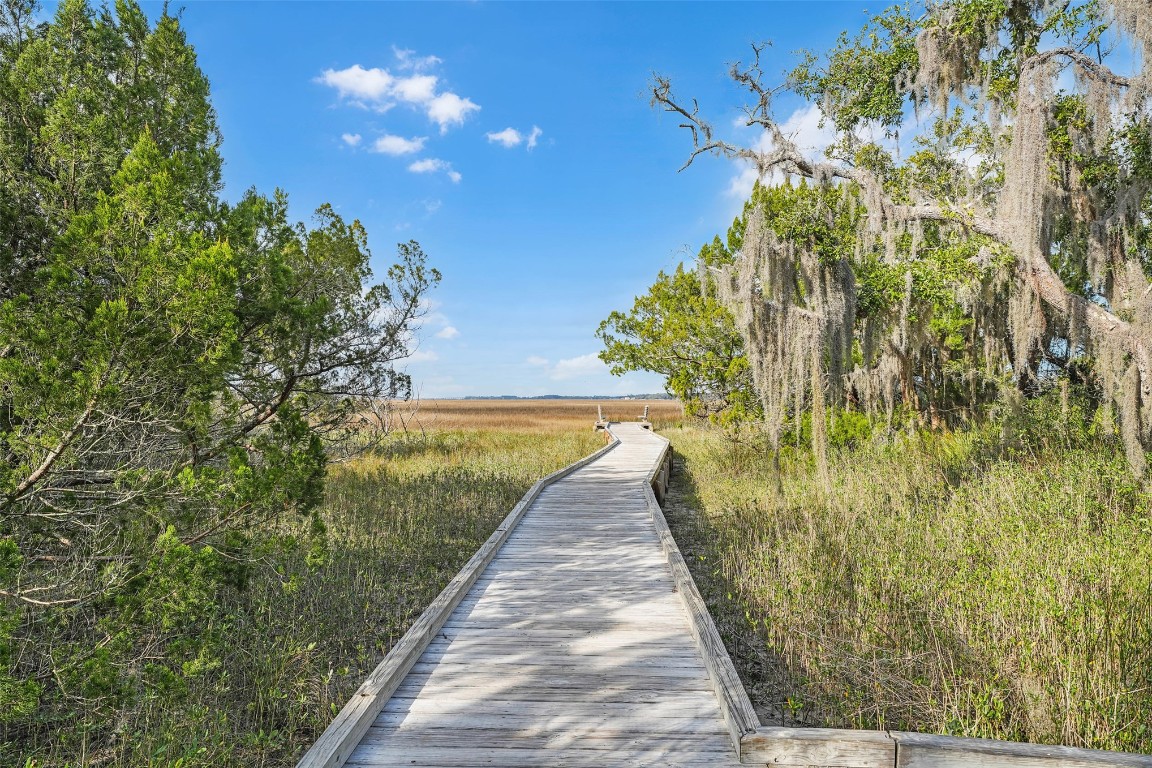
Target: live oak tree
1007,243
174,369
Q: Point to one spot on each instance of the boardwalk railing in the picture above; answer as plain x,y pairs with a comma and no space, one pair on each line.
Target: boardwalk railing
342,735
735,706
838,748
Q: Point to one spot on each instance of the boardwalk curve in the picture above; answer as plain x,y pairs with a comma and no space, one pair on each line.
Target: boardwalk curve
572,647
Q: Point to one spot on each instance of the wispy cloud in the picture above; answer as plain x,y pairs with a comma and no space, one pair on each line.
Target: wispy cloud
407,59
536,361
435,165
423,356
429,165
398,145
576,367
433,317
351,139
510,137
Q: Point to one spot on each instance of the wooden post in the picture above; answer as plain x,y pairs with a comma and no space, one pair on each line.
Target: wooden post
601,424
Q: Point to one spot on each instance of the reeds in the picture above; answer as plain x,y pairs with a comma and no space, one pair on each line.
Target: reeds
938,586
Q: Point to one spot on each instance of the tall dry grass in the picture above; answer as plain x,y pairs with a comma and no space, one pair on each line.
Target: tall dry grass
943,583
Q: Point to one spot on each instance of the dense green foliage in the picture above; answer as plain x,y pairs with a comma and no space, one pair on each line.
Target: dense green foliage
976,231
680,329
175,372
989,583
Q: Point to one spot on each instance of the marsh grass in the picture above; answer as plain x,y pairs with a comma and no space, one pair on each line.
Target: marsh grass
532,415
318,604
947,583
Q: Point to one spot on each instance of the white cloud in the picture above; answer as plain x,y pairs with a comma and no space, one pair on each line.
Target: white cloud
575,367
804,129
537,361
509,137
418,89
381,90
428,165
434,165
359,83
447,332
398,145
351,139
431,206
449,109
740,186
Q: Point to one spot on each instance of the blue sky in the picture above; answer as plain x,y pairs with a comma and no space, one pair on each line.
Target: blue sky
514,141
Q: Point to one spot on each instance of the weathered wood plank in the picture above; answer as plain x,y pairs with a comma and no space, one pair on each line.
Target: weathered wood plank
529,720
824,747
919,750
699,710
573,736
434,757
634,698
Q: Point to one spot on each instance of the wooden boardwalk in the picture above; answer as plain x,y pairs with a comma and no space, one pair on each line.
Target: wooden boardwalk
572,648
575,637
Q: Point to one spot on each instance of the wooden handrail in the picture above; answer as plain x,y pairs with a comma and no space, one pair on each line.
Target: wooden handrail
735,707
844,748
